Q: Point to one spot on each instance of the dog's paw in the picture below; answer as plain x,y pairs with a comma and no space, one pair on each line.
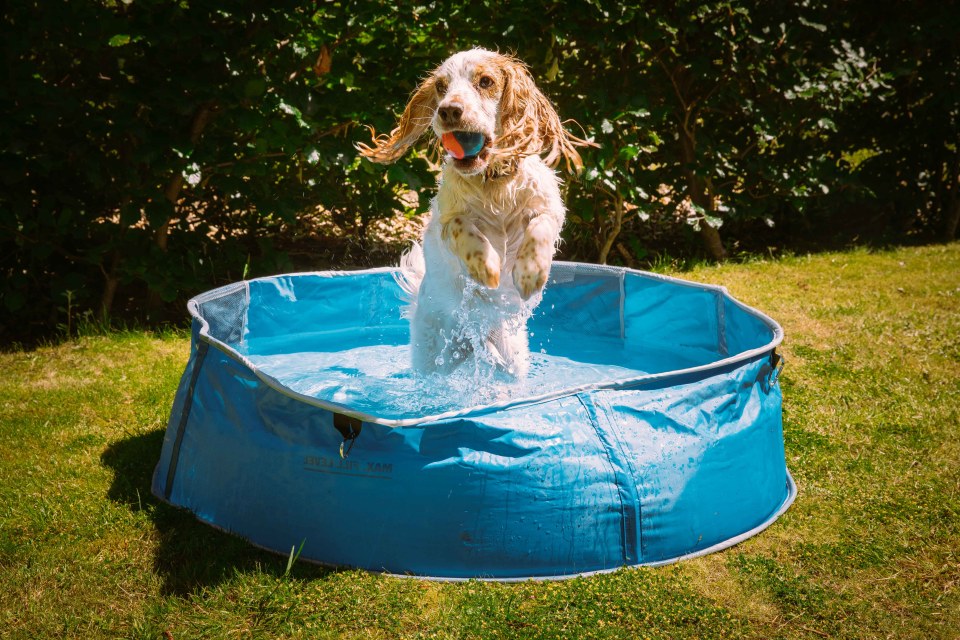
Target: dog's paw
482,261
530,273
535,255
484,267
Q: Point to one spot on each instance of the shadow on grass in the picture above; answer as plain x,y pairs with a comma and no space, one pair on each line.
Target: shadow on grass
191,555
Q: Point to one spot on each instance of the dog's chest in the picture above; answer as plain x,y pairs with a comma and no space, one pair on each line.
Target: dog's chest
501,210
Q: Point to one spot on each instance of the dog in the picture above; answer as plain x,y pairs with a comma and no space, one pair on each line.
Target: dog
485,255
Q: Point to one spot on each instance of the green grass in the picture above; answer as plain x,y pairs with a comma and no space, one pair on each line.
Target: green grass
871,548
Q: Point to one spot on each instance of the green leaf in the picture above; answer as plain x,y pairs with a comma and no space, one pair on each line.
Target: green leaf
713,221
812,25
255,88
119,40
13,300
293,111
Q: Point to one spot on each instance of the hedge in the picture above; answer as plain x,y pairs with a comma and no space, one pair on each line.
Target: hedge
153,149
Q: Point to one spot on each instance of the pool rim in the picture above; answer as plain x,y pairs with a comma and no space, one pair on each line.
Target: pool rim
636,382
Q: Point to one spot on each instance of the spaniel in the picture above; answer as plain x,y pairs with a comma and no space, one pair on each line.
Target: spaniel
485,255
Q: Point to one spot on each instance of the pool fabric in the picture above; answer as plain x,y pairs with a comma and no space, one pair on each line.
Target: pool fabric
650,431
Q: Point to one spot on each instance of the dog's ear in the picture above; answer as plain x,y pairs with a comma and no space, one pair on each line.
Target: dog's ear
415,119
530,124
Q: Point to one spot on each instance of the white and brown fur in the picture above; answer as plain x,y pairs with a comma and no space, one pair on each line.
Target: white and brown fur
495,214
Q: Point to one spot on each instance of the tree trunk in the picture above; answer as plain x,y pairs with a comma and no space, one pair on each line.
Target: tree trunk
172,192
700,194
951,207
712,242
951,218
612,234
112,281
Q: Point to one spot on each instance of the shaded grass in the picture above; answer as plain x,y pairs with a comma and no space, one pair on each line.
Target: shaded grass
869,550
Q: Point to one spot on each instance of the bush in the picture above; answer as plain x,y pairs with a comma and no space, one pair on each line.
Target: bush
151,149
158,149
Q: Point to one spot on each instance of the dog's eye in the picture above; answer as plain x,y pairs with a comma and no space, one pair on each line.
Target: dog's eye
441,86
485,82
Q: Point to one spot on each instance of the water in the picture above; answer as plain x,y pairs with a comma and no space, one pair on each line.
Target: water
377,379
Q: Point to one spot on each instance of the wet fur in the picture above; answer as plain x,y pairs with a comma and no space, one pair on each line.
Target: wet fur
486,252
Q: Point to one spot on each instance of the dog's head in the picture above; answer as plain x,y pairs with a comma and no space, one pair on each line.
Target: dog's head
485,93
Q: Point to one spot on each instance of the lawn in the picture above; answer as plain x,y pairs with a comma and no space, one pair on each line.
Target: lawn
870,549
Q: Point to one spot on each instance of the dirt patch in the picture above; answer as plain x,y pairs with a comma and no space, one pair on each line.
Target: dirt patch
321,242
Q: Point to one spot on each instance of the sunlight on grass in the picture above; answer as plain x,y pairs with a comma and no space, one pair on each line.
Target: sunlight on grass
870,548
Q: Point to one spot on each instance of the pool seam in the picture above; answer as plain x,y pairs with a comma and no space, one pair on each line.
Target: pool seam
623,479
202,349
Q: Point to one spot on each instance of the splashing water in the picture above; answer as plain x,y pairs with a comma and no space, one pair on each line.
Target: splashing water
486,333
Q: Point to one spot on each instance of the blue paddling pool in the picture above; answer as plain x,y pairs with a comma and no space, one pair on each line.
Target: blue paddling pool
647,431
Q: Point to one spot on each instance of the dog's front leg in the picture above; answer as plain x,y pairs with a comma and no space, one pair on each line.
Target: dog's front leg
474,249
536,251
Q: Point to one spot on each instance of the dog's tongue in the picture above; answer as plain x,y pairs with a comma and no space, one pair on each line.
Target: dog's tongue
462,144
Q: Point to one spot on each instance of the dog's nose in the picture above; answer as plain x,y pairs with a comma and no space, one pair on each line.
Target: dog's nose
450,113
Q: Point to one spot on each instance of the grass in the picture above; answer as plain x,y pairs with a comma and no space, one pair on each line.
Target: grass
871,548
